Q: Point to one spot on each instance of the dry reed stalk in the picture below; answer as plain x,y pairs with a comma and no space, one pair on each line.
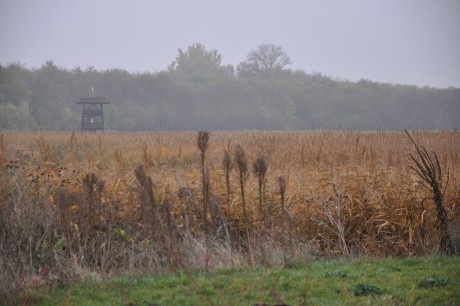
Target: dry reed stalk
44,148
228,165
203,143
2,151
73,147
147,158
333,211
149,208
187,196
241,163
259,168
282,184
243,172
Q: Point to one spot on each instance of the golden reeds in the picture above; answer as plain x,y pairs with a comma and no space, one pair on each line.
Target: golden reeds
335,192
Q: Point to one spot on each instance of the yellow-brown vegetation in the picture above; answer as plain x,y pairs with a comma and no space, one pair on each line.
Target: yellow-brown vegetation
347,193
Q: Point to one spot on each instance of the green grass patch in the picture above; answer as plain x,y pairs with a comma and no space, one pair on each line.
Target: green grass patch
421,281
365,289
433,282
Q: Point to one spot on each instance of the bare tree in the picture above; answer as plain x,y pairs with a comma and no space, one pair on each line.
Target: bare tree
266,60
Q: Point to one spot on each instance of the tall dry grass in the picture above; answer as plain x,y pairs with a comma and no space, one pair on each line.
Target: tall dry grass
89,205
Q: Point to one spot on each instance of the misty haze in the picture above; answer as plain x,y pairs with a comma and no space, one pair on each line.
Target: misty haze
299,65
240,152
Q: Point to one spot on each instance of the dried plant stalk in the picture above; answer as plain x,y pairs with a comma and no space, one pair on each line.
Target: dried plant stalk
241,163
228,165
260,169
203,143
431,173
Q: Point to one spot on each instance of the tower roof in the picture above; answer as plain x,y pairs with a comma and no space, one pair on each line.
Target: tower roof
92,100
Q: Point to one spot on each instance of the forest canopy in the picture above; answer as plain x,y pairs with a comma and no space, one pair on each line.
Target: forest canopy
198,92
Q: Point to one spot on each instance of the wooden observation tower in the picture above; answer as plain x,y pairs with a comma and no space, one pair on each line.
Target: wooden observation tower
92,116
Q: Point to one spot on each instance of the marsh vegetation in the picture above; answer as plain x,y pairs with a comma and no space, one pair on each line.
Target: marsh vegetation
76,207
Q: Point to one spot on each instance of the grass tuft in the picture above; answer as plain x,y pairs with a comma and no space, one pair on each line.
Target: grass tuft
365,289
431,282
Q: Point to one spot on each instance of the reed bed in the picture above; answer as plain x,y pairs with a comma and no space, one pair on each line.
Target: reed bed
84,205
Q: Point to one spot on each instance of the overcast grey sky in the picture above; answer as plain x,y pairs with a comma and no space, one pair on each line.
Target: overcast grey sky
398,41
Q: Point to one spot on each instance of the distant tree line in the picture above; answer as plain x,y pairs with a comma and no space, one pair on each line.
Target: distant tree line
198,92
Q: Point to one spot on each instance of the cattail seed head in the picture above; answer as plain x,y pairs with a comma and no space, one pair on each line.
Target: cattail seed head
241,161
203,141
282,184
227,161
260,167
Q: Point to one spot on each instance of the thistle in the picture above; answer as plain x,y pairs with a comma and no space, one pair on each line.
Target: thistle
228,165
241,163
282,186
203,143
259,168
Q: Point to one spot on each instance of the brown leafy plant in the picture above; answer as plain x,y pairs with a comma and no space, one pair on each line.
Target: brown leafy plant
430,172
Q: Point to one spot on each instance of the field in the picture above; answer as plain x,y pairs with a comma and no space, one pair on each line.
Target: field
87,206
410,281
